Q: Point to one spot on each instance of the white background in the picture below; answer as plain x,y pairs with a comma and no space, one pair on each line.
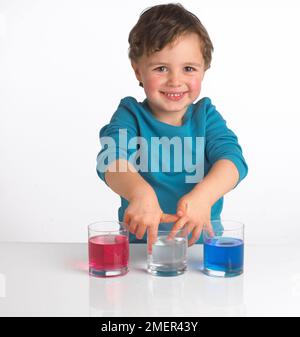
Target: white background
64,69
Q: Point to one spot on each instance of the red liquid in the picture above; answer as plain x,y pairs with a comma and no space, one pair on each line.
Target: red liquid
108,252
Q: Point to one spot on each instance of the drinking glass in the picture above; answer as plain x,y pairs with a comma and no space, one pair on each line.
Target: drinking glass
168,257
223,252
108,248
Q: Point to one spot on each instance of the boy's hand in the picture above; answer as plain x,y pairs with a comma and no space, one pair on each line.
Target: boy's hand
194,212
144,213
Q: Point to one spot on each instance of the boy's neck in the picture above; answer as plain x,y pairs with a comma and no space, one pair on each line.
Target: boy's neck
170,121
174,119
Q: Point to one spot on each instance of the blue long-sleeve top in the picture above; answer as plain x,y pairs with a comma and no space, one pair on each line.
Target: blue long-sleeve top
201,121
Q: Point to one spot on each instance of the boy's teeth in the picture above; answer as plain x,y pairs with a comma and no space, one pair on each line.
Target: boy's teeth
173,95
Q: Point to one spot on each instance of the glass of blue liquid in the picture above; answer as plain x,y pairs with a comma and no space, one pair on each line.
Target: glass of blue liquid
223,250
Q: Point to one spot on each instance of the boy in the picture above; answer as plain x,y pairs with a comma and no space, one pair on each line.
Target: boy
170,51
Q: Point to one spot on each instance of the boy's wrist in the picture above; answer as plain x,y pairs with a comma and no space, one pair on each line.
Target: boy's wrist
203,194
141,192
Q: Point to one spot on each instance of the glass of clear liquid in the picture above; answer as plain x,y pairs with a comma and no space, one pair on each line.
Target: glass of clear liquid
168,257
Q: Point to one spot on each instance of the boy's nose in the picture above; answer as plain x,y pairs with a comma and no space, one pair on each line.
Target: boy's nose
174,80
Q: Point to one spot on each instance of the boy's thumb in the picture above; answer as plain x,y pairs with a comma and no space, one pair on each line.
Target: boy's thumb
181,208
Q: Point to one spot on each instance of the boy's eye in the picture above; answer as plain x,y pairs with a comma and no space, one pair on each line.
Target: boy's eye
161,69
189,69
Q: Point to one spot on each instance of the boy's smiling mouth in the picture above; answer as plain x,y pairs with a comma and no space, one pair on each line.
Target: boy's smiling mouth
173,96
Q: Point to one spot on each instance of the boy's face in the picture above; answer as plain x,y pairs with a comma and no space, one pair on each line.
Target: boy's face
172,77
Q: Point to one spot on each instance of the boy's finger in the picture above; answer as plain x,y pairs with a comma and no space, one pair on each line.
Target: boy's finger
126,219
178,225
152,237
149,247
181,210
209,229
195,235
168,217
140,232
133,227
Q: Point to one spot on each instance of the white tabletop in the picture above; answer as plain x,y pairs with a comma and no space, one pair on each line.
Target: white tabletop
51,279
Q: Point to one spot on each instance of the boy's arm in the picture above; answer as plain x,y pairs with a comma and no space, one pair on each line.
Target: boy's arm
143,211
122,178
222,177
195,207
228,168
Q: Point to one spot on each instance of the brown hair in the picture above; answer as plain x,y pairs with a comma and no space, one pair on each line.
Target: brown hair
162,24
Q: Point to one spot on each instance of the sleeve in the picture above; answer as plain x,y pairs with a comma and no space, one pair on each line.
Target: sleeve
116,140
222,143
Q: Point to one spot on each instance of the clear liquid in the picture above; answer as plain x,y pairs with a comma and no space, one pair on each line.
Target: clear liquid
168,257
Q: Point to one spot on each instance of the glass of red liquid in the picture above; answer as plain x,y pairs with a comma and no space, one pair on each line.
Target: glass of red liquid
108,249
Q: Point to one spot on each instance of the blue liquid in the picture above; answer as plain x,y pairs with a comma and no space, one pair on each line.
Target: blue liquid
223,256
